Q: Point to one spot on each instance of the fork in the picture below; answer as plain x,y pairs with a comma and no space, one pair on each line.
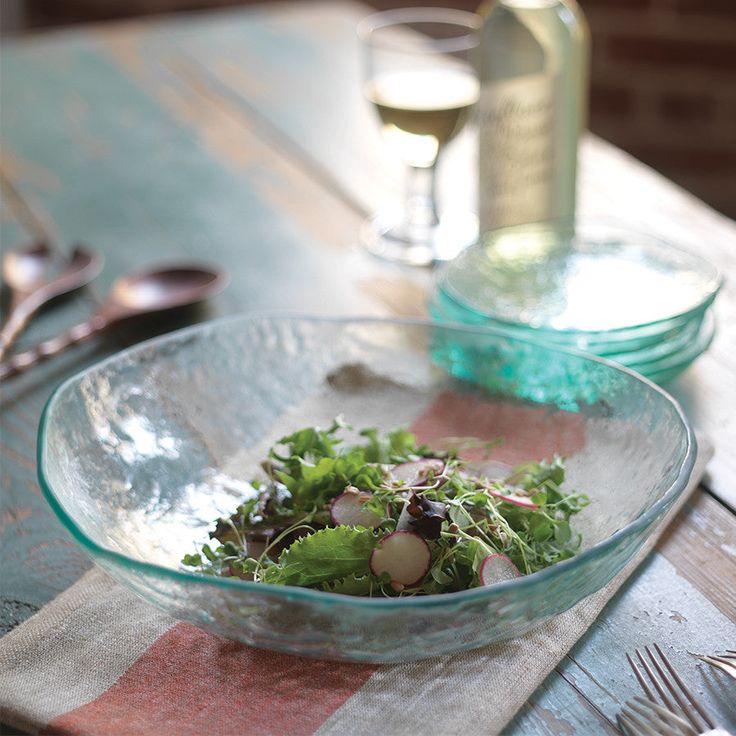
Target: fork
659,676
642,717
724,662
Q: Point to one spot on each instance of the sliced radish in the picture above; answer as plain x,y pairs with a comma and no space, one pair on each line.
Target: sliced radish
523,501
349,509
493,470
497,568
417,473
405,556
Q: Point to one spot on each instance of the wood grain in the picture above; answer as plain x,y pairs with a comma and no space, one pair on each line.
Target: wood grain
701,545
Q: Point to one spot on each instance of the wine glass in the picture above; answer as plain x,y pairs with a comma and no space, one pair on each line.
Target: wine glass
420,76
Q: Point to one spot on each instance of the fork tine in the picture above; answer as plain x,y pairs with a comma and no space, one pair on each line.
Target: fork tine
653,679
722,663
640,678
643,728
647,724
665,715
684,689
627,726
686,710
730,661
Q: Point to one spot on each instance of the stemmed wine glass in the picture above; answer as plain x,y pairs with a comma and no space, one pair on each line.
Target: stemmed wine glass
420,76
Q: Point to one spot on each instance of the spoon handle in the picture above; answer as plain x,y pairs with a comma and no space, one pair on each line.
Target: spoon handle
20,315
83,266
49,348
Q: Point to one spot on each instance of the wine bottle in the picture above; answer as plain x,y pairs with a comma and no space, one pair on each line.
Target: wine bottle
533,104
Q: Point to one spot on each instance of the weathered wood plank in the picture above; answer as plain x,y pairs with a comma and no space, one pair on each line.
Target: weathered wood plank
312,51
658,605
681,603
134,168
557,707
206,204
701,545
30,541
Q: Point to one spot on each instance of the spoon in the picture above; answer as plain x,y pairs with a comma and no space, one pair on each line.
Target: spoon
24,272
133,295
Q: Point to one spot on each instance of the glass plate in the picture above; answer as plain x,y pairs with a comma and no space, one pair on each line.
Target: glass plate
445,309
681,342
661,371
599,282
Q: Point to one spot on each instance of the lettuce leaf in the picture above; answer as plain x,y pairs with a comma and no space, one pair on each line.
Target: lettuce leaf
329,554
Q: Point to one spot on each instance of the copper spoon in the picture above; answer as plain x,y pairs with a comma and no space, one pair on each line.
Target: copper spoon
24,273
24,270
134,295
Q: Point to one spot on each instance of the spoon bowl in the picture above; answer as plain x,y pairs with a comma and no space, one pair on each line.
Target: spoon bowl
134,295
25,273
24,269
167,288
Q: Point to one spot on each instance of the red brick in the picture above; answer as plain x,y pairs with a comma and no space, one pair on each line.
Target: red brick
585,4
680,107
606,100
674,52
677,161
721,8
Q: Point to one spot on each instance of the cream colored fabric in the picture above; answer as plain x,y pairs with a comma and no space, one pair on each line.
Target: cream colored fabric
73,650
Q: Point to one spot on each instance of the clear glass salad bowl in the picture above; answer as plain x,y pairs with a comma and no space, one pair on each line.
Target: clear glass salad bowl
140,453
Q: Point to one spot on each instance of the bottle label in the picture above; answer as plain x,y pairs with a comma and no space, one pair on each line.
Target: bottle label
516,151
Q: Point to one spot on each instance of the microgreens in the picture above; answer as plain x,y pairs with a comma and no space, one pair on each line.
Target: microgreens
421,504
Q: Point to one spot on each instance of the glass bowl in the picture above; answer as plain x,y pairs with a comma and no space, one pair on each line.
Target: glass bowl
140,453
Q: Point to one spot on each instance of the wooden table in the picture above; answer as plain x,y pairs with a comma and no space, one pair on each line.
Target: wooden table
240,137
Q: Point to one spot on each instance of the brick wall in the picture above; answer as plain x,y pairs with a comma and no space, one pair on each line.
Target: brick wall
663,83
663,87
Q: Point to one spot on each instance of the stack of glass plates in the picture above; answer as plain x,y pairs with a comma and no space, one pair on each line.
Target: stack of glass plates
620,294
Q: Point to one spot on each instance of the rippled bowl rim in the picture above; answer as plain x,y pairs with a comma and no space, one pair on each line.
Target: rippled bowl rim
307,594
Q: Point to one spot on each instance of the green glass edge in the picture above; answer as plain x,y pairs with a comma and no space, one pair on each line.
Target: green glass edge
716,277
541,332
292,592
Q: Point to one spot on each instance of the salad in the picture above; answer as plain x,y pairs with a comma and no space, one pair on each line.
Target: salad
385,516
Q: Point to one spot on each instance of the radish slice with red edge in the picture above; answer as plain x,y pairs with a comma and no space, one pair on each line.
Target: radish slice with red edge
348,509
493,470
497,568
405,556
417,472
523,501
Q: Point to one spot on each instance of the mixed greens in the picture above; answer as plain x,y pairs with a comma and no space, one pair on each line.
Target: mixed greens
386,516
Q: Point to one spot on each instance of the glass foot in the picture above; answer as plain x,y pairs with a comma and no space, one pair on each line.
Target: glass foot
394,239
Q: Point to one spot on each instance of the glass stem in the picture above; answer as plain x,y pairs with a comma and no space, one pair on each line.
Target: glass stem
421,203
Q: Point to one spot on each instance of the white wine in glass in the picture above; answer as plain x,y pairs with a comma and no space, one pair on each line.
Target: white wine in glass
423,104
422,81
